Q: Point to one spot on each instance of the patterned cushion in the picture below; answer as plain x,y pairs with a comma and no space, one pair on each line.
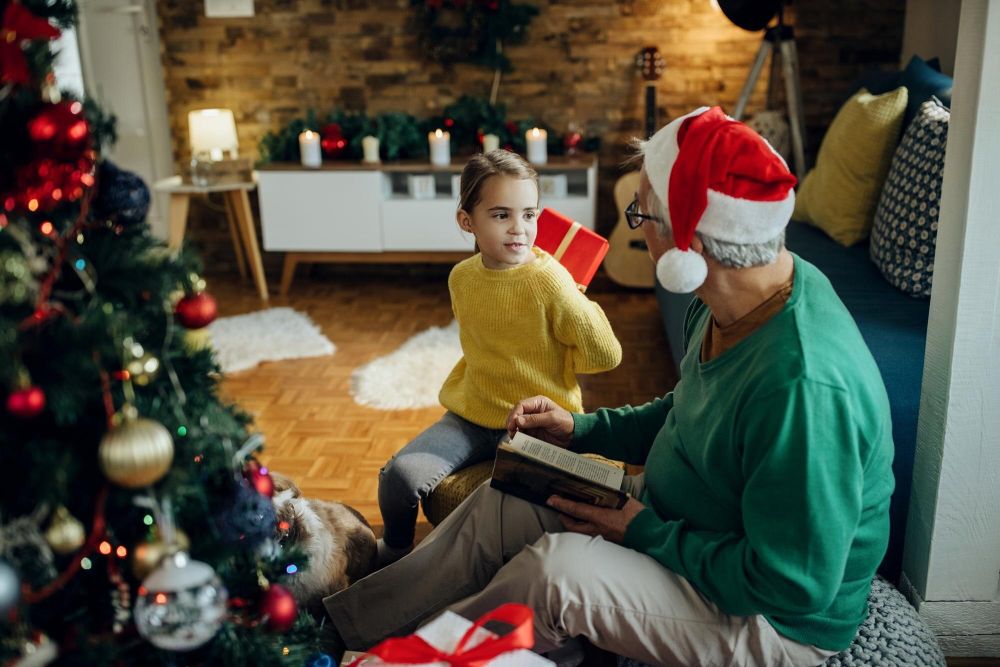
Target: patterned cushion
892,635
906,220
841,192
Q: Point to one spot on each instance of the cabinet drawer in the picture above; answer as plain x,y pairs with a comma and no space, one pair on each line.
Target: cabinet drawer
427,225
321,211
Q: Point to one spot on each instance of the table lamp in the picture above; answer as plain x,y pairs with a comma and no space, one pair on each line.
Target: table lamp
213,131
215,148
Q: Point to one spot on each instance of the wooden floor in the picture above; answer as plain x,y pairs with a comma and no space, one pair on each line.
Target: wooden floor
331,446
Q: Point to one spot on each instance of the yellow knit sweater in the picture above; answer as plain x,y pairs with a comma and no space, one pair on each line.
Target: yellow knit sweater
524,331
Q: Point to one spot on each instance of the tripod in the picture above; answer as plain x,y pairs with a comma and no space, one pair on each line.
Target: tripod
783,37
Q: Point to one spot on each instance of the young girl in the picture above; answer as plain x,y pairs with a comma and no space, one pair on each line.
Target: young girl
525,328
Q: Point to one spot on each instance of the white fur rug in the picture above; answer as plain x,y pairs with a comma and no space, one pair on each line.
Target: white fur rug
243,341
410,377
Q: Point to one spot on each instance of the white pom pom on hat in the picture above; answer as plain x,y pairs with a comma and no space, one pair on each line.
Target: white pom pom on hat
681,271
716,175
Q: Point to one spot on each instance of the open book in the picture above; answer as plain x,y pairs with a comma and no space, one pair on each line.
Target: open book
533,469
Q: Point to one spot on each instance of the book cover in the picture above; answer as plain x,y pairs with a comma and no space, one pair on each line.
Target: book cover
533,469
574,246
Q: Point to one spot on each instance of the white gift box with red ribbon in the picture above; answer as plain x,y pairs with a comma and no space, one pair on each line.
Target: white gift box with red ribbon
453,641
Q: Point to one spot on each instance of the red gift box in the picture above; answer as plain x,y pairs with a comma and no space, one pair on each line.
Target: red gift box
574,246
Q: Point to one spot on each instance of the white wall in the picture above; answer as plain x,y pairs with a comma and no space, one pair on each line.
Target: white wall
120,53
931,30
67,68
951,562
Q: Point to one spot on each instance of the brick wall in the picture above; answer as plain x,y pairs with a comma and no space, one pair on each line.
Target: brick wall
578,64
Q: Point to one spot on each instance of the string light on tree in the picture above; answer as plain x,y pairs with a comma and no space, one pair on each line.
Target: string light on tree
142,367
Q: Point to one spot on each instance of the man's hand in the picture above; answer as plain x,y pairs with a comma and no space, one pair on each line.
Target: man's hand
590,520
541,418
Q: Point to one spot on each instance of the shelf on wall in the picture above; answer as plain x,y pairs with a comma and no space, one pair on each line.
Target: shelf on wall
582,161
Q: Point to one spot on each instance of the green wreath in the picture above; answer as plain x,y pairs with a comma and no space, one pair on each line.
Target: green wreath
474,31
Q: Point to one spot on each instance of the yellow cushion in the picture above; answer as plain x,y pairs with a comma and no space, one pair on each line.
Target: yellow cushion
453,489
840,193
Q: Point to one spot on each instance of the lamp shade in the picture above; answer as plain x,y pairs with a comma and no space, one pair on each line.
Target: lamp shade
213,131
752,15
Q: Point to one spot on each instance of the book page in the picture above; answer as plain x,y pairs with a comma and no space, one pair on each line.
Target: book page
594,471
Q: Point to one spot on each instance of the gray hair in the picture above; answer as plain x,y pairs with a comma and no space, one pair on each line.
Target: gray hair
733,255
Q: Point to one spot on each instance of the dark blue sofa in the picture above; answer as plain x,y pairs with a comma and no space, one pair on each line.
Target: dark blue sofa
893,324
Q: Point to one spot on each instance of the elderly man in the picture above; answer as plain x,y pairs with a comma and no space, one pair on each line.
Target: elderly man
755,531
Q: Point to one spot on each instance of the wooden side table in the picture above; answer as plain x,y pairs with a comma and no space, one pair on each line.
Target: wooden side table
238,215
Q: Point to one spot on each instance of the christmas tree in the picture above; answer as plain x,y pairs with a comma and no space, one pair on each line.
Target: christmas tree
136,526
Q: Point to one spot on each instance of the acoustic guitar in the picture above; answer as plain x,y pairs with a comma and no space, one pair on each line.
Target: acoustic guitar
628,262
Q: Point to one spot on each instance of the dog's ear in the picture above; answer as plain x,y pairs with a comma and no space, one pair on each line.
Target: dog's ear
284,483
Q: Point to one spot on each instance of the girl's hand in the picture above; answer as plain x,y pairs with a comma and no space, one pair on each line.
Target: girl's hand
541,418
590,520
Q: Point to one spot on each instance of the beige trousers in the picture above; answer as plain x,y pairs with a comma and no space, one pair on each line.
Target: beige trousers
495,548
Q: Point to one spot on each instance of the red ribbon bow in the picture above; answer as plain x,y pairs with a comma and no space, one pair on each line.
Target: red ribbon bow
20,24
413,650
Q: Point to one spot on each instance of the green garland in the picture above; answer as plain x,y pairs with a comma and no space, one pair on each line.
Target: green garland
403,137
473,31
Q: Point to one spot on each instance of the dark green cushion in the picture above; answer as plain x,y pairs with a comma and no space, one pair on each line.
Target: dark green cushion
922,83
922,80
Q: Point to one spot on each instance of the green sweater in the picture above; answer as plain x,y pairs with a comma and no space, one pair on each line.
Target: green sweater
768,468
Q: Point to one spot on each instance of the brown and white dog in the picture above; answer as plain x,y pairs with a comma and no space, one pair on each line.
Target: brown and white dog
339,542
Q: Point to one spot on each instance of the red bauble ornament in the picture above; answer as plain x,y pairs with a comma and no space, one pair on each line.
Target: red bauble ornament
195,311
26,403
260,478
280,608
332,140
60,131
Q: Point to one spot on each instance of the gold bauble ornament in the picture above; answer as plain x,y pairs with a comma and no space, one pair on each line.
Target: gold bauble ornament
146,557
137,452
65,533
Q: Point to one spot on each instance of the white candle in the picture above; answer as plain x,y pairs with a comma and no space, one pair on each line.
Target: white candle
440,148
309,149
491,142
370,146
537,151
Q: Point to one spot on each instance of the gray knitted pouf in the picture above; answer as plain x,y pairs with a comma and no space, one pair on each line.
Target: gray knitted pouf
893,635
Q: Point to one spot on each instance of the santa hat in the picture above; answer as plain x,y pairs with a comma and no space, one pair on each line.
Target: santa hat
716,175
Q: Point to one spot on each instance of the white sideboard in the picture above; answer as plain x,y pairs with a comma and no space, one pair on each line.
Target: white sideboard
360,213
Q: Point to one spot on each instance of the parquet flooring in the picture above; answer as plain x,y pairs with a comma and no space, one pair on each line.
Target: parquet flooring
333,447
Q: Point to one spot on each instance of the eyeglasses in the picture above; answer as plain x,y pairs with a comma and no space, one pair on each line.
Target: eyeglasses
634,218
